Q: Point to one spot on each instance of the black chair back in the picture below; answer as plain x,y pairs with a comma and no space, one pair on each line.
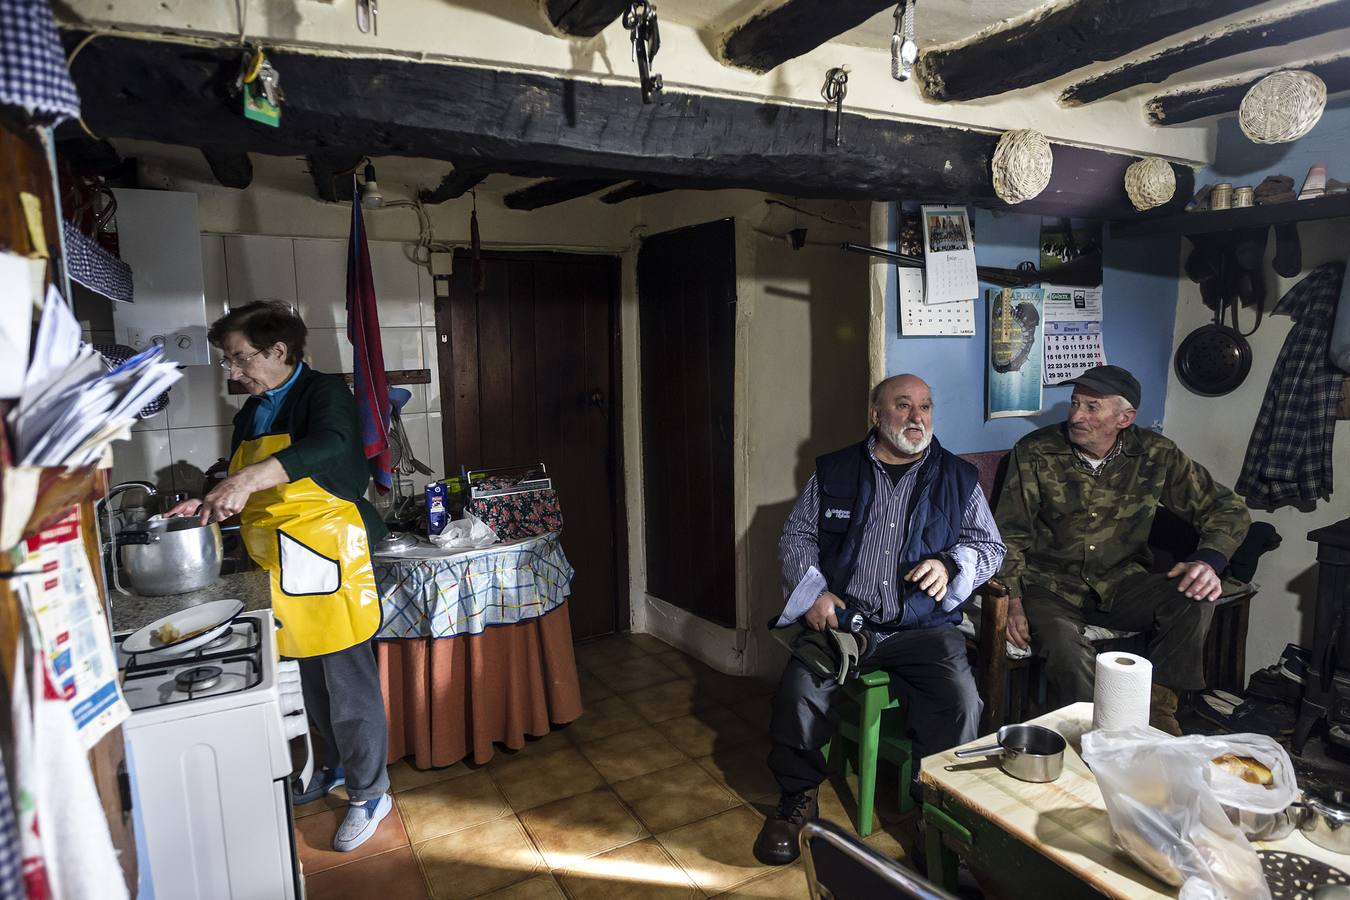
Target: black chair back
841,866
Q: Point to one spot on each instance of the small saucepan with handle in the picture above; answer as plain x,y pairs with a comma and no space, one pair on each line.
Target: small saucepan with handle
1029,752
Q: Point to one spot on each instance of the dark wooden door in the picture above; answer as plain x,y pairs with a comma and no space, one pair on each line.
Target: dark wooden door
687,310
528,374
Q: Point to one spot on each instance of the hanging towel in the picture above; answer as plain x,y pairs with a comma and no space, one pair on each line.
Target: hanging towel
363,330
36,878
1289,456
33,72
11,850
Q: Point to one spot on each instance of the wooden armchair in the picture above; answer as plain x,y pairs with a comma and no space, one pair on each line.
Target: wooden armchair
1012,687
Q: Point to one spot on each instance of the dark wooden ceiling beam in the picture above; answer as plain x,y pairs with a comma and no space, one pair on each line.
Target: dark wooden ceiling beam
1240,37
584,18
331,172
1059,39
231,168
632,190
1222,97
455,184
554,190
793,27
511,121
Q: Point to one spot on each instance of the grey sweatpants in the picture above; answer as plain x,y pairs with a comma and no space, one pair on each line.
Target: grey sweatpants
343,699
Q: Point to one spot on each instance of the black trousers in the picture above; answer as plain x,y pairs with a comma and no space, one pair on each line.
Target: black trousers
1174,624
929,665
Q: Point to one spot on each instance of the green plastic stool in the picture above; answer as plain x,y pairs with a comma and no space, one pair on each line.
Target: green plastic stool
871,695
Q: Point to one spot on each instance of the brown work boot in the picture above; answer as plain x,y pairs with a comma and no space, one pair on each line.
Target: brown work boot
777,841
1162,710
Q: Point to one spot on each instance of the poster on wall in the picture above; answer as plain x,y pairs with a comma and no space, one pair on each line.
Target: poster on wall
949,255
1071,254
1015,353
931,319
1073,331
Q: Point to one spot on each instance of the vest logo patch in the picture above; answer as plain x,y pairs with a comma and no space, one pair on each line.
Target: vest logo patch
838,513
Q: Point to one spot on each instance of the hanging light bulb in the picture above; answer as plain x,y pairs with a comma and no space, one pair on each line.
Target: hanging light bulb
371,198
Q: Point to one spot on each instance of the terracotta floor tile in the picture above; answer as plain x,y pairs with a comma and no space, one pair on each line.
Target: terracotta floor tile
755,712
392,875
716,853
641,870
556,739
650,643
478,860
540,888
895,841
673,797
707,731
632,753
335,800
613,715
404,776
632,674
452,805
683,665
670,700
744,770
784,883
606,651
592,688
567,831
535,780
733,688
314,839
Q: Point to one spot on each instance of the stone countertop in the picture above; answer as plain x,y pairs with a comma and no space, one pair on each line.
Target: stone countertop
132,611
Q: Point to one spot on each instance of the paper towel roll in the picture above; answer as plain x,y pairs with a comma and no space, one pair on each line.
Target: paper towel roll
1121,696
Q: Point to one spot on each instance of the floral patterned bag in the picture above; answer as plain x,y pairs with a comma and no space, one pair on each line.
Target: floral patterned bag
520,515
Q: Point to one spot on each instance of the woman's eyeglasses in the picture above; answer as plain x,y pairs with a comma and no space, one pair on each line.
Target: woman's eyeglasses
229,362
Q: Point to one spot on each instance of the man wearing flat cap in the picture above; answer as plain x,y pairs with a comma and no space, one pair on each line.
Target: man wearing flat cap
1075,514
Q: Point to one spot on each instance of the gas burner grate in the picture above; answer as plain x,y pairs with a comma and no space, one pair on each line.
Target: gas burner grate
1293,876
198,678
243,626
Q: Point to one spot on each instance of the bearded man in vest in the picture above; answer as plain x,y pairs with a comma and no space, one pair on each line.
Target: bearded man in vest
902,533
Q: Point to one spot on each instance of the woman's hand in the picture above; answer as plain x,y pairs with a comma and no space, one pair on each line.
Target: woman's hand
225,499
185,508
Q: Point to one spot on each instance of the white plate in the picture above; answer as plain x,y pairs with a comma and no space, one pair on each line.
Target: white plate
208,620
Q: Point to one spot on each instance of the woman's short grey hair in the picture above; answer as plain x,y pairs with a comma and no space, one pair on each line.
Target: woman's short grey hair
263,323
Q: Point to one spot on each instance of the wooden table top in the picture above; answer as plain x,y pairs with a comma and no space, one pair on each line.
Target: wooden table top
1065,819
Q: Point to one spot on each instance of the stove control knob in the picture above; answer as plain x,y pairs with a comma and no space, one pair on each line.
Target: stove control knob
291,703
295,727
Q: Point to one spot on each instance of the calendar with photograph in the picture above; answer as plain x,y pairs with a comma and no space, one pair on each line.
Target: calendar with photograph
1073,332
936,319
949,255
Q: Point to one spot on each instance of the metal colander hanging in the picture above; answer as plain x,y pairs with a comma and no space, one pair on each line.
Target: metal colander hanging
1214,359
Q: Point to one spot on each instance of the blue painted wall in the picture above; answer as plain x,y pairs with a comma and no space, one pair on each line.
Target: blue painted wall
1238,160
1139,298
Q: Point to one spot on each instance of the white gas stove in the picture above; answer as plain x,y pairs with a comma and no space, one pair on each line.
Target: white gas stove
210,744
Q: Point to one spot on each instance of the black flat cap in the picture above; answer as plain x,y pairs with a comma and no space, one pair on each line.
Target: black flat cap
1110,381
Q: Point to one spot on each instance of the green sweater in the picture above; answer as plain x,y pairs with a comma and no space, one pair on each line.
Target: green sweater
319,413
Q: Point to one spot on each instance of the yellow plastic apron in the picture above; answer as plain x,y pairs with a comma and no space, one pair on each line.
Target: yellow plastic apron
316,551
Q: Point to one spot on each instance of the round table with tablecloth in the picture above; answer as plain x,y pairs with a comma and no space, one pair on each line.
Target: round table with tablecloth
475,648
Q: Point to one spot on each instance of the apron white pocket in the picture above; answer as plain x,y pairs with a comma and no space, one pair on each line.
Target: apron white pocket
305,570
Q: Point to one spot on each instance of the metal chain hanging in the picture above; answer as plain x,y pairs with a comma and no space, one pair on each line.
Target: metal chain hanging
904,49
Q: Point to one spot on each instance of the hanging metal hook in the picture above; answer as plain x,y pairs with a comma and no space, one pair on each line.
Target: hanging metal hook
904,49
640,20
834,91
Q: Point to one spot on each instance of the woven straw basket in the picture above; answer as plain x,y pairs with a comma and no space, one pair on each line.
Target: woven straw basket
1021,165
1150,182
1282,107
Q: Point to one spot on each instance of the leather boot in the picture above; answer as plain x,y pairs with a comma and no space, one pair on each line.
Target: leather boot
777,841
1162,710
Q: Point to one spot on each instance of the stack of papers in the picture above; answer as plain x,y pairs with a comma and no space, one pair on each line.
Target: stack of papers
72,407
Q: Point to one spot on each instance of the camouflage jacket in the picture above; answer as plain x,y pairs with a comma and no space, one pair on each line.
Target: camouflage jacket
1079,534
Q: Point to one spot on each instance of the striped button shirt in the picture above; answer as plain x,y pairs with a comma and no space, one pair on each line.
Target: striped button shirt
876,582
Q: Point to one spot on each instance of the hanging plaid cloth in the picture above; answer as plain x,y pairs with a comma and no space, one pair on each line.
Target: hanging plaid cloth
33,73
1289,457
363,330
11,850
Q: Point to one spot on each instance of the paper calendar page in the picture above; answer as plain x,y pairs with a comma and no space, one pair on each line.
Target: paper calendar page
1073,332
934,319
949,255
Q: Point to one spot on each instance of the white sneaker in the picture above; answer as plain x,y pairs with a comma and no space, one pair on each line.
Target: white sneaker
361,821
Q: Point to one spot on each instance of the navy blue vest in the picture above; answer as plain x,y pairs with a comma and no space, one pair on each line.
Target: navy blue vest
847,482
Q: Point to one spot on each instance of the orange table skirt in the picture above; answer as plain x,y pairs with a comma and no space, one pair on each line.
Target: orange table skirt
451,698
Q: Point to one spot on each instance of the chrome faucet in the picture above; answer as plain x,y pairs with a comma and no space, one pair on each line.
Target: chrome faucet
108,540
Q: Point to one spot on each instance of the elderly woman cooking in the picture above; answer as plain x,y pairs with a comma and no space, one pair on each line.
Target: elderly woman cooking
297,476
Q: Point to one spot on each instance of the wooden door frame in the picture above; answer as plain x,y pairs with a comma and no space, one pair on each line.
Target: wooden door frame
618,483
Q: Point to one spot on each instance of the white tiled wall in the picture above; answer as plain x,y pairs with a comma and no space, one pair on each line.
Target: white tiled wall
174,448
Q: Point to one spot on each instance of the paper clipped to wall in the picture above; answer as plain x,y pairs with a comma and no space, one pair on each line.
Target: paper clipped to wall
1015,354
949,255
1073,331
